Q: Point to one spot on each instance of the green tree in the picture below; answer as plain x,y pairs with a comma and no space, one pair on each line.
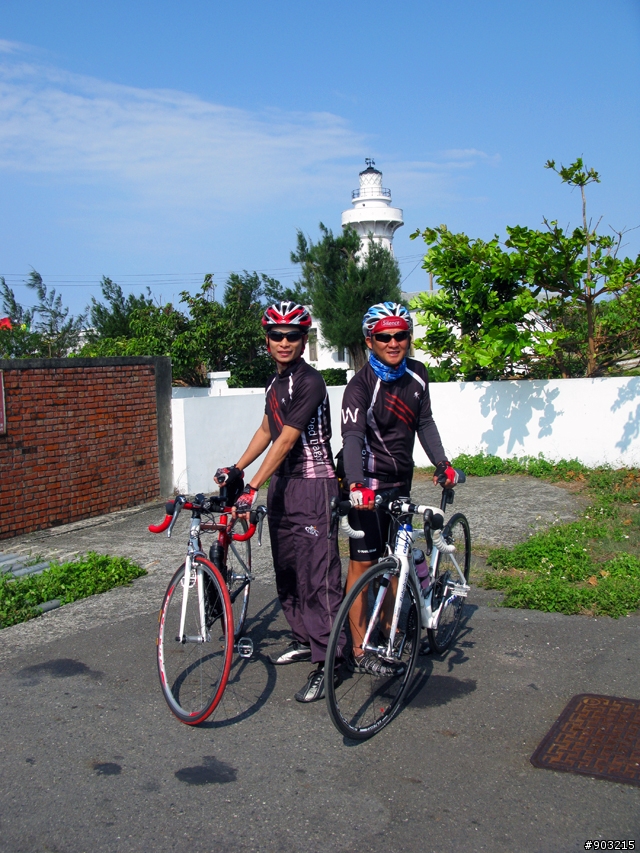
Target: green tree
211,336
59,330
112,319
340,285
47,330
536,307
572,271
18,341
229,335
480,324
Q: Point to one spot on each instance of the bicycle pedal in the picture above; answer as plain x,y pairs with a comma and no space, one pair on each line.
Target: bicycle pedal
460,589
244,647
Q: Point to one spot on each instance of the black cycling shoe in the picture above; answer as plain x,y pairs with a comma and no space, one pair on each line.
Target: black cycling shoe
314,688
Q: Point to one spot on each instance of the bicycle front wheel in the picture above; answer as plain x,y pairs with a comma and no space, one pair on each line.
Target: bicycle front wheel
194,664
239,576
456,532
370,691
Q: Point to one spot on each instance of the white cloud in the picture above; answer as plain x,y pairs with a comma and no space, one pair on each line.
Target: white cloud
164,144
154,147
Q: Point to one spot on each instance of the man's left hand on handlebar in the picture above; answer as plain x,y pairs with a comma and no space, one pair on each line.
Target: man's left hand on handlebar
445,475
228,475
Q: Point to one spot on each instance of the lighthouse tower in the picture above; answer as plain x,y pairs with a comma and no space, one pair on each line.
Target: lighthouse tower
372,212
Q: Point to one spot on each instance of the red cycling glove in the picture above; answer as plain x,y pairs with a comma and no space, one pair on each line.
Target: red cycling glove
361,496
246,500
445,472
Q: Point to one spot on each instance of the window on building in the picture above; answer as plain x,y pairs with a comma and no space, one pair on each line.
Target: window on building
344,355
313,345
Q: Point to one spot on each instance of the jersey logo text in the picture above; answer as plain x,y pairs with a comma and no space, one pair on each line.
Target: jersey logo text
347,413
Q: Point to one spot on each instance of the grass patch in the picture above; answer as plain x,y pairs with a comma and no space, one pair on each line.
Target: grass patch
67,582
590,566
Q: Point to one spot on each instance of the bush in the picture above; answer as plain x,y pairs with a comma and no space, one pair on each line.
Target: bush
19,598
334,375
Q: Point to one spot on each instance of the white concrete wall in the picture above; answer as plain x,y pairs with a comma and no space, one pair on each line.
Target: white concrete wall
594,420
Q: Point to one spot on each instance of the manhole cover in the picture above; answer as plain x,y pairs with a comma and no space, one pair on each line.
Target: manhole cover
596,736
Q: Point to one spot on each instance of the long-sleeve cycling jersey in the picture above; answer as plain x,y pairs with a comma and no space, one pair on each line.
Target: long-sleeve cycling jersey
380,421
298,398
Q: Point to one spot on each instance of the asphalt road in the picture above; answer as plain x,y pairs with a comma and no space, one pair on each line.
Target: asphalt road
91,758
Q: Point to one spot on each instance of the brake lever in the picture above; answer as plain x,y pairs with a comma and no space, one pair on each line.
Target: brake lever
263,514
179,501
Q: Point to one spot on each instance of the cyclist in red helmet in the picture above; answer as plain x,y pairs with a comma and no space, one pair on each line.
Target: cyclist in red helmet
296,429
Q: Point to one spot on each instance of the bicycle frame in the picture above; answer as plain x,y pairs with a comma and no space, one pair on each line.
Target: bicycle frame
194,547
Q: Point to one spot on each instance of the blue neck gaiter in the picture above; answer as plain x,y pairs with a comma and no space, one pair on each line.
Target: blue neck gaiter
387,374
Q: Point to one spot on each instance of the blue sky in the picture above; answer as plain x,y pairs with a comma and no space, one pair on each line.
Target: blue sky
154,142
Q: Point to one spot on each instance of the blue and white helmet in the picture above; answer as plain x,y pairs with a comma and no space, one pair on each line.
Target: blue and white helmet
388,311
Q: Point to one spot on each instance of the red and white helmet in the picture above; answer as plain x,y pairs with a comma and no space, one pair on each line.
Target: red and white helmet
286,314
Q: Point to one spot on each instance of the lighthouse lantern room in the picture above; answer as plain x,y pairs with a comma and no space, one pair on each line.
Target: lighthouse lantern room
372,214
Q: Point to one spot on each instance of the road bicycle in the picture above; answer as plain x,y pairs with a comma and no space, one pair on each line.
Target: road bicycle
204,610
374,668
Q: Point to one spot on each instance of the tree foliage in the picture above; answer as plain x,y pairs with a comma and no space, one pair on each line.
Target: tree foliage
208,336
479,324
340,286
112,318
550,303
47,330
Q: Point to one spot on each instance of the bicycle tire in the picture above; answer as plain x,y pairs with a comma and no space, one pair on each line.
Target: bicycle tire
193,675
361,704
456,531
238,576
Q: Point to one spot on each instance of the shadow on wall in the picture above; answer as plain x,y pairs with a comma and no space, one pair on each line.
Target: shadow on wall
513,405
627,394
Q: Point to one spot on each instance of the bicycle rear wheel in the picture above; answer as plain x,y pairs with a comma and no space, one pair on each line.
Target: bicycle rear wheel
194,667
455,532
239,576
362,703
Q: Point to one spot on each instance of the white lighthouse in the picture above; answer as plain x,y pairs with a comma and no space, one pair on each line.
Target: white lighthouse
372,212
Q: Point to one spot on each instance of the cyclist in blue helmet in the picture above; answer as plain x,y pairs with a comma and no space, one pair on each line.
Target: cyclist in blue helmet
384,407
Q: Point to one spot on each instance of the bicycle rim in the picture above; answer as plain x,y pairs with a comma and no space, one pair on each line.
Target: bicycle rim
456,532
238,577
362,704
193,674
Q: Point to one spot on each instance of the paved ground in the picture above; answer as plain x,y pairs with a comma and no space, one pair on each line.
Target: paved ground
91,759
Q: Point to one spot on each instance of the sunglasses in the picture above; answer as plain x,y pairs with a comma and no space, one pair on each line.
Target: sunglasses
385,337
292,337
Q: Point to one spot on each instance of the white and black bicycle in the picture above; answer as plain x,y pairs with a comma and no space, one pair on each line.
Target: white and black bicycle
384,612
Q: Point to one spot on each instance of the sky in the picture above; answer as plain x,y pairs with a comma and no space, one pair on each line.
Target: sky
155,142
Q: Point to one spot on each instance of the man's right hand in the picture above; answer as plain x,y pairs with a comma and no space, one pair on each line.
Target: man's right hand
226,475
445,475
362,497
245,502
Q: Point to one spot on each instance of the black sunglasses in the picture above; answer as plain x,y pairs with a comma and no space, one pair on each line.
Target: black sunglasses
292,337
385,337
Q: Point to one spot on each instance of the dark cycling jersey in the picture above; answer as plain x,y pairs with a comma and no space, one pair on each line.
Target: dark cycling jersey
297,397
386,416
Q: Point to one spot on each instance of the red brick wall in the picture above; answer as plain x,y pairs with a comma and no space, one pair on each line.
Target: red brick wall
80,441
